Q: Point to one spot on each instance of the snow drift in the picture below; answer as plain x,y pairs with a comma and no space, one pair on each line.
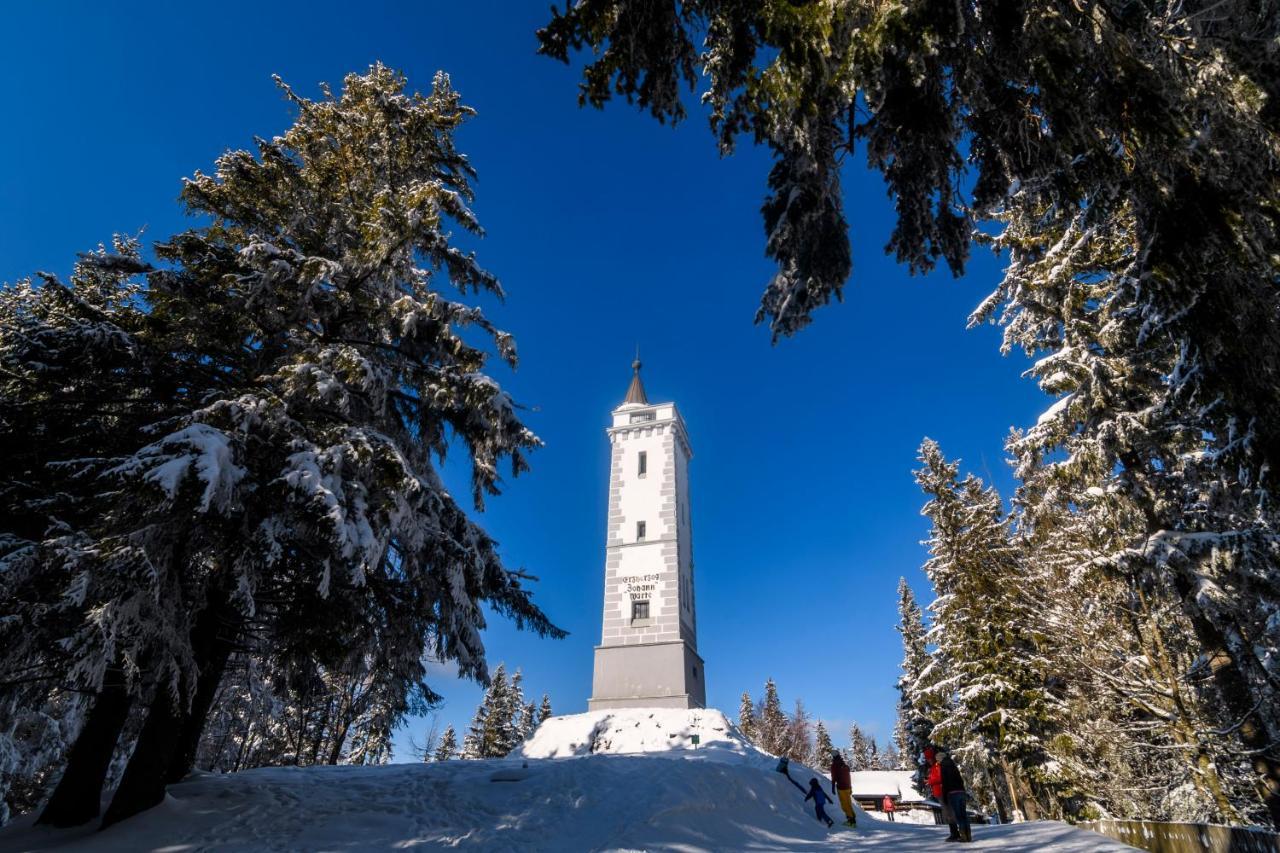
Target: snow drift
621,732
616,780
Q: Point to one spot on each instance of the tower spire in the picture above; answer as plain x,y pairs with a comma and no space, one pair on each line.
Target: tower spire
635,391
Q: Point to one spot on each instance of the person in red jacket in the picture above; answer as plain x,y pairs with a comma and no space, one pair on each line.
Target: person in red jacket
935,785
889,807
842,787
935,773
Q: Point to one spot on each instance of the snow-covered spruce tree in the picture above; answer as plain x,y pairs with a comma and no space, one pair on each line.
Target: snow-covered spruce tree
528,721
771,722
1169,166
1125,427
988,636
358,373
472,740
781,72
544,709
823,749
876,760
860,750
78,384
891,759
1083,629
747,718
448,746
914,726
329,369
494,730
516,702
1142,706
900,740
524,715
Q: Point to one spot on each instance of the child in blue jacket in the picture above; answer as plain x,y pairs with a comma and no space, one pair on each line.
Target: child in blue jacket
819,800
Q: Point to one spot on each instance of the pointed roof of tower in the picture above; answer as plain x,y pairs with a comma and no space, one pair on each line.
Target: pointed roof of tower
635,391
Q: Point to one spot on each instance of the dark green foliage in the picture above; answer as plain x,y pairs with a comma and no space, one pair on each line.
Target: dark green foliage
823,749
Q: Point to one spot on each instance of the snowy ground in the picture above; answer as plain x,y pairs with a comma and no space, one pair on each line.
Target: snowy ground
723,796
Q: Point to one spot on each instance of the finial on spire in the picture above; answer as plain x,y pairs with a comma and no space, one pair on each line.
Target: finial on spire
635,392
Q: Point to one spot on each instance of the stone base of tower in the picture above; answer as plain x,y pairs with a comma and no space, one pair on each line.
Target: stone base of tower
647,675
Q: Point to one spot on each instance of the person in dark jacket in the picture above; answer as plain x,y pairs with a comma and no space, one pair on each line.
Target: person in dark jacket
935,786
953,790
819,800
843,788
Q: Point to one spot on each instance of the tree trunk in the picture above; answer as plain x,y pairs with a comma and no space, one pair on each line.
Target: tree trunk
995,793
77,798
1211,783
212,641
1183,729
341,725
144,778
1031,807
1233,687
1229,675
304,707
1014,806
243,748
220,754
323,722
339,737
167,746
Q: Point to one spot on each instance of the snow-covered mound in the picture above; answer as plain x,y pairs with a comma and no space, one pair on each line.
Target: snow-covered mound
624,732
637,792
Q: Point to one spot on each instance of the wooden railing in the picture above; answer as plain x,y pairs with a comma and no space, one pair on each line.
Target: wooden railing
1187,837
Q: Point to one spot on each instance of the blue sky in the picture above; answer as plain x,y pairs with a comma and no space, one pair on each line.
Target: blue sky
607,230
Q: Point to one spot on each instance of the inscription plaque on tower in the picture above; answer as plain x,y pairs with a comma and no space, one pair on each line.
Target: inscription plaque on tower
648,652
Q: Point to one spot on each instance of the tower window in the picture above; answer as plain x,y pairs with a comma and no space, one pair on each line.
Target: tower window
643,467
639,531
639,610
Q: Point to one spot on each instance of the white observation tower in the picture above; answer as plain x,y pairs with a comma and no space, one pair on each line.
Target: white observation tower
648,652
